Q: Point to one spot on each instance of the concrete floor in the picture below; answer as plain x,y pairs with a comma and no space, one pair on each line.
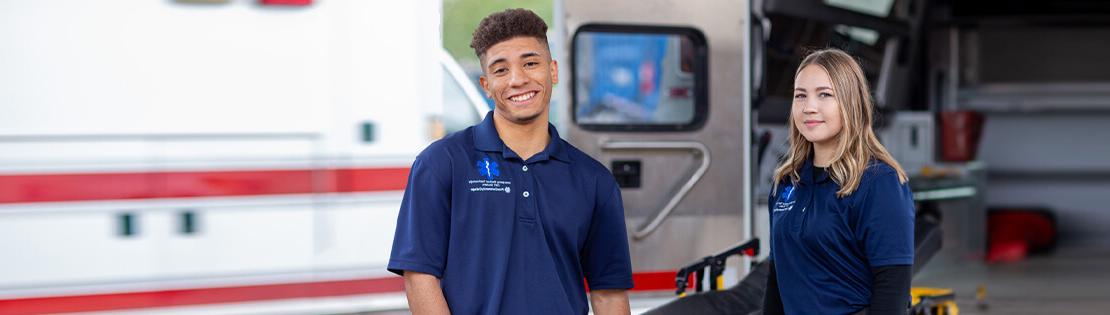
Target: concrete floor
1067,281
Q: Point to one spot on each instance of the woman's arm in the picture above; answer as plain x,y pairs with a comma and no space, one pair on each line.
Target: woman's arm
772,301
885,227
890,290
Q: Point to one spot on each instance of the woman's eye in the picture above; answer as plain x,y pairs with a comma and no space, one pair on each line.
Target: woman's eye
799,96
826,95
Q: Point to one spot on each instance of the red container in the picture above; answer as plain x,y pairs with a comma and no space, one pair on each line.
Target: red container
959,135
1014,233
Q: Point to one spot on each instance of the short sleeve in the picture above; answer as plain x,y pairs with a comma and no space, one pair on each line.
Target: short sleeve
885,221
605,259
423,223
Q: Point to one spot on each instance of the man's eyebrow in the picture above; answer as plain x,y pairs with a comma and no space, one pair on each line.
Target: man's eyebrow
522,56
496,61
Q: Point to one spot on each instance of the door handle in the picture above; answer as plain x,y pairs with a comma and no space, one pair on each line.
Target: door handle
661,215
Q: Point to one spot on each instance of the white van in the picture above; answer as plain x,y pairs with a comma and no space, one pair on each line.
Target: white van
176,155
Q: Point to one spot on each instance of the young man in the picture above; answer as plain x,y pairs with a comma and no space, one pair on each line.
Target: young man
505,217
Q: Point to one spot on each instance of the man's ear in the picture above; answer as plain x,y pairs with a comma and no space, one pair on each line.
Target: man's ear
485,85
554,72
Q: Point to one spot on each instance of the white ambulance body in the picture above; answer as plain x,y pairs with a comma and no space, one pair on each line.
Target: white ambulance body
171,155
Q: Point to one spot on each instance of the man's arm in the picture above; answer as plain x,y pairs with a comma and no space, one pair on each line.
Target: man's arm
605,259
424,294
610,302
423,227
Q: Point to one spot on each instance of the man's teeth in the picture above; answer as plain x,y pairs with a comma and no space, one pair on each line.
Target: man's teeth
523,97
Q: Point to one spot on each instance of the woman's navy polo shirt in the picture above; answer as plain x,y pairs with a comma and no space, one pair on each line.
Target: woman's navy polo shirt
507,236
824,247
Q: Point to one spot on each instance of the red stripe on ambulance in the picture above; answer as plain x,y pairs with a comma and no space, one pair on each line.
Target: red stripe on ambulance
148,185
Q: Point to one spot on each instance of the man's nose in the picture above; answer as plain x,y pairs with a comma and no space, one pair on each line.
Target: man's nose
517,77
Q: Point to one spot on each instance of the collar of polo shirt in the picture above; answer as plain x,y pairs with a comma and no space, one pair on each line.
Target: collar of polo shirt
807,175
486,139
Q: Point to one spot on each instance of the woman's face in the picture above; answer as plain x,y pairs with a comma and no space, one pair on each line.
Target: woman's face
815,111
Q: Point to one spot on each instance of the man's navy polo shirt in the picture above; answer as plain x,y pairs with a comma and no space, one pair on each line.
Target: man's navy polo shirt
824,247
507,236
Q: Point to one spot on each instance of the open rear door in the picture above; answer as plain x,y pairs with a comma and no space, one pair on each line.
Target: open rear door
661,99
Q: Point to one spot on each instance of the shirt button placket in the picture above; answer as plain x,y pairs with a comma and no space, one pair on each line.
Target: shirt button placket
526,187
527,184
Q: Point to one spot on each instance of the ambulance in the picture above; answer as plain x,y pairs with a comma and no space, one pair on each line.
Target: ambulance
174,155
248,157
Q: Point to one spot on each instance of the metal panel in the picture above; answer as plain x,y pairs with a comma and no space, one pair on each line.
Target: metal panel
710,217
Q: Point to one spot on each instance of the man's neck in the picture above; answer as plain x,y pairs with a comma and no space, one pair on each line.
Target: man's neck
525,139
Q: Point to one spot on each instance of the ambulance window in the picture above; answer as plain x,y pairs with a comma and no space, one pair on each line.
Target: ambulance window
458,111
639,78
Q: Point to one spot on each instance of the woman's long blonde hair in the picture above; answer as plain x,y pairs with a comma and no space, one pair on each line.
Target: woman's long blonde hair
857,144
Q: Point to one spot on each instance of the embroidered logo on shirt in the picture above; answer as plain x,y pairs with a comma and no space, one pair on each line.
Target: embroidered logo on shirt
489,170
785,201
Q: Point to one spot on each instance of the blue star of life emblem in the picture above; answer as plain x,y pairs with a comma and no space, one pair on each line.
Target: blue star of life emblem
488,168
787,194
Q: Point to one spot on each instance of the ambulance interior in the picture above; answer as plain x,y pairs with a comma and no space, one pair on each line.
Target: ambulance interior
997,109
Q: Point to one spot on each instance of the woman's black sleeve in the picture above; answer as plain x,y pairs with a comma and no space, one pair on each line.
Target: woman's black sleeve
890,290
772,301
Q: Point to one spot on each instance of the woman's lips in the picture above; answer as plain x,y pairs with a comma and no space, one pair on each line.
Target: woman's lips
813,123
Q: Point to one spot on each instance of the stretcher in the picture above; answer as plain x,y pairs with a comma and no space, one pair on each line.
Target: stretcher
746,297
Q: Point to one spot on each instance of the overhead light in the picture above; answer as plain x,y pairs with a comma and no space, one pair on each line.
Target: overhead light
286,2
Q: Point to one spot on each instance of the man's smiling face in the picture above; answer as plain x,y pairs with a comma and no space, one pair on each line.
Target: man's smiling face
519,75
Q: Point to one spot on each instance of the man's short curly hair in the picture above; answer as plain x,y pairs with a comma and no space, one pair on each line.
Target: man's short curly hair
505,25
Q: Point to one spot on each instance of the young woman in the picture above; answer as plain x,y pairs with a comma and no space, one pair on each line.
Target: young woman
841,212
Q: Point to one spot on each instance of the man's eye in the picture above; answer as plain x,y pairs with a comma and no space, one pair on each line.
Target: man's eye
499,70
531,64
